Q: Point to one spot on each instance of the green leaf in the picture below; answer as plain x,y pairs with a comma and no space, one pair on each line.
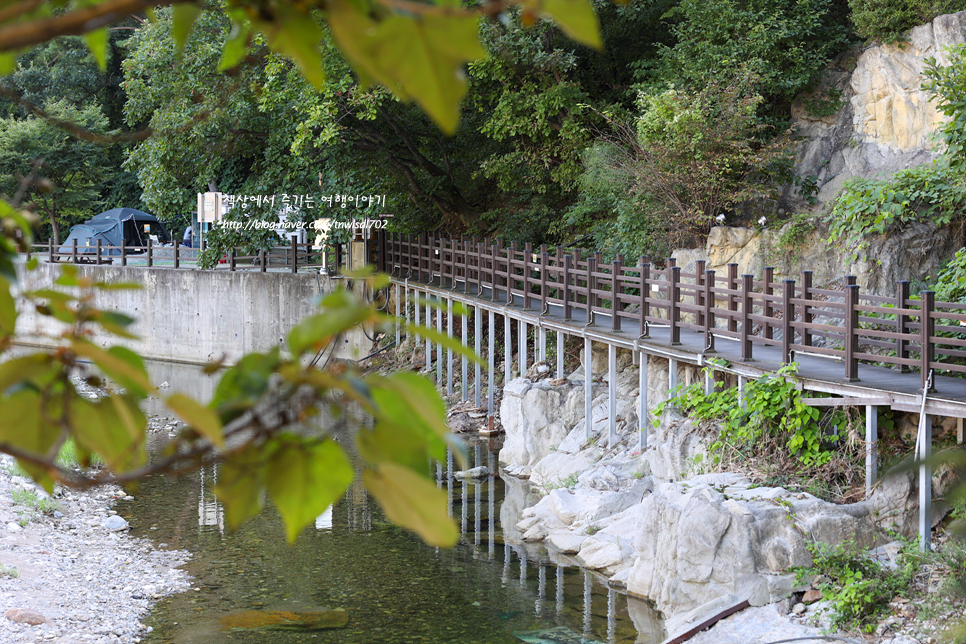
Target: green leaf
8,309
236,47
27,368
8,63
243,385
183,17
393,442
412,501
119,363
341,313
411,397
576,18
241,484
199,417
113,428
115,323
97,42
418,58
437,337
426,58
26,425
295,34
304,478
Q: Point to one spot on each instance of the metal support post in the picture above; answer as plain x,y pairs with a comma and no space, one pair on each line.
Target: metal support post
464,361
491,355
449,350
925,484
588,390
507,350
612,436
642,404
478,343
560,355
871,447
522,344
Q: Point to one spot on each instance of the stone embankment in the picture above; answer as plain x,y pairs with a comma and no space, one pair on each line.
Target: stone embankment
648,521
74,576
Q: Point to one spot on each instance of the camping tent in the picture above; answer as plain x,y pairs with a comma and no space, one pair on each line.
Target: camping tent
125,226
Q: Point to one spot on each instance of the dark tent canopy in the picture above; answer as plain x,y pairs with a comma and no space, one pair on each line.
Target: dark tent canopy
115,227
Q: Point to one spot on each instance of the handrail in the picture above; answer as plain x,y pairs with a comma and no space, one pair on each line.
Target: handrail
794,315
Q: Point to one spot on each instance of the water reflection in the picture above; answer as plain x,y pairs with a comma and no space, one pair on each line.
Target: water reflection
394,588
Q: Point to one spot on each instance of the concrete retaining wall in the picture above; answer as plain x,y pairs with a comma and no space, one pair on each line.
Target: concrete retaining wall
194,315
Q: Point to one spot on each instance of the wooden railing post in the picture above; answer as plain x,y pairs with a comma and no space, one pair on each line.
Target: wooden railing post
494,249
644,310
123,252
700,266
262,262
708,302
50,250
510,253
99,240
544,266
851,332
73,251
177,258
150,252
767,277
807,315
295,255
902,346
567,267
615,305
527,252
747,288
732,299
674,301
788,313
927,325
591,299
231,260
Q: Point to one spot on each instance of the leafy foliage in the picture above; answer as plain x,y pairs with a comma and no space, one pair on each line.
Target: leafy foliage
888,20
691,156
857,586
69,171
947,83
934,193
774,410
785,44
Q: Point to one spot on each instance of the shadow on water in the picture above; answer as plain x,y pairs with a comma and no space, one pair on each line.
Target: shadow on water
394,588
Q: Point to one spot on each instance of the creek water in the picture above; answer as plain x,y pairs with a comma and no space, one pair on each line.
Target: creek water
394,588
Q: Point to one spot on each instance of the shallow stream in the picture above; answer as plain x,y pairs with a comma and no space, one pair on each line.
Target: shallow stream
394,588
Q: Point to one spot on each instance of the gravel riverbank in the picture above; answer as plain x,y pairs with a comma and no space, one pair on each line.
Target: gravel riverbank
70,573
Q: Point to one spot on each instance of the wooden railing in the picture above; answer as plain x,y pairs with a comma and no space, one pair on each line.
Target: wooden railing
794,316
293,257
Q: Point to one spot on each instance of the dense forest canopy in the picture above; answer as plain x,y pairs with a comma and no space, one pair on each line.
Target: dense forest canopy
677,118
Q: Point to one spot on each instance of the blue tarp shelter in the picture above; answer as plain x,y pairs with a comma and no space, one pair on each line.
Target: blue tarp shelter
115,227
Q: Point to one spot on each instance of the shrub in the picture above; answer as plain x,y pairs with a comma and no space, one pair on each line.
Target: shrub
888,20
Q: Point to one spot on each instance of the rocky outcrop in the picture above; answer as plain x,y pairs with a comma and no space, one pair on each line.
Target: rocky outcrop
886,121
913,253
649,521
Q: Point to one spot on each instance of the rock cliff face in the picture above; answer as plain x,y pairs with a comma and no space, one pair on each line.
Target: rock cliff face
647,520
886,122
915,253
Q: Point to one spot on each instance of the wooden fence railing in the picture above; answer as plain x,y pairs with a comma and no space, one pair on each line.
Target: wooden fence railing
795,316
293,257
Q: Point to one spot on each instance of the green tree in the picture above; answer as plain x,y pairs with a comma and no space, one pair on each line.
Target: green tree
68,171
785,44
419,54
688,158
